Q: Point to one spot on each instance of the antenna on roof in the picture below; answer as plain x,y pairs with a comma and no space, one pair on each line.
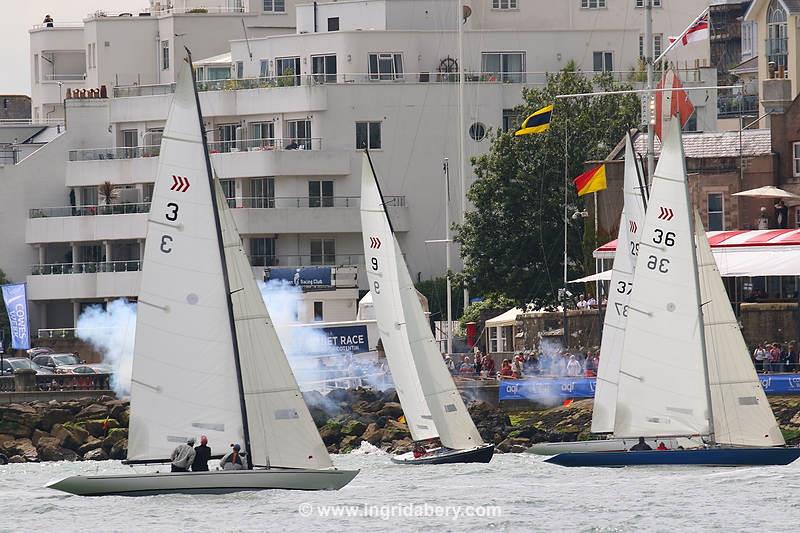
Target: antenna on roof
244,29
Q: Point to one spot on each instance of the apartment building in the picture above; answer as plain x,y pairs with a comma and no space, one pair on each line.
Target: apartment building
288,116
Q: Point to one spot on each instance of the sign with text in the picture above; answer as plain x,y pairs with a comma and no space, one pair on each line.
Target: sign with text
342,339
302,276
16,301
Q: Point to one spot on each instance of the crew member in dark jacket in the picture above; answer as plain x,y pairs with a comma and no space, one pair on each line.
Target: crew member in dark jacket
202,454
641,446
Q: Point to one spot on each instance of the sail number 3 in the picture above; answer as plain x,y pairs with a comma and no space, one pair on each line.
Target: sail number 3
172,216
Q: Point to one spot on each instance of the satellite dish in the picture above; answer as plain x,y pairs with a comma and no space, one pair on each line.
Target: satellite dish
467,11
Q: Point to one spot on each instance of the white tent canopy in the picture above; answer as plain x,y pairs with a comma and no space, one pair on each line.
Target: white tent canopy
506,319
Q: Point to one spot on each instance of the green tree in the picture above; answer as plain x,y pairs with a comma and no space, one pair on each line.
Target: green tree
512,241
435,290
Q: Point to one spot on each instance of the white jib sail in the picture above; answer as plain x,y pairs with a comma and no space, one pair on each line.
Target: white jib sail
282,432
184,381
400,315
630,227
662,389
742,415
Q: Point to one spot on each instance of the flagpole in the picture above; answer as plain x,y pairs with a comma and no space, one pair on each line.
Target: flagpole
678,39
566,187
596,244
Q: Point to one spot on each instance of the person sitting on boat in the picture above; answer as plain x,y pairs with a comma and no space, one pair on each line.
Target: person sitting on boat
183,456
641,446
233,460
202,454
662,446
419,451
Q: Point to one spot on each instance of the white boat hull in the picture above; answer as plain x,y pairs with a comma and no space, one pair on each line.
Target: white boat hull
215,482
606,445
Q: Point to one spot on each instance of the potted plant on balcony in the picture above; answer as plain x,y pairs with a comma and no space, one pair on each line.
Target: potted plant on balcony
287,79
109,192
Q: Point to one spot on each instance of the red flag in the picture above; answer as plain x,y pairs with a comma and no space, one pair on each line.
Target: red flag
567,403
671,103
698,31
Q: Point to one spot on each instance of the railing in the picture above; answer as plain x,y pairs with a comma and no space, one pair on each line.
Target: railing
61,382
31,121
119,152
733,105
64,77
265,145
366,78
86,268
58,25
89,210
315,260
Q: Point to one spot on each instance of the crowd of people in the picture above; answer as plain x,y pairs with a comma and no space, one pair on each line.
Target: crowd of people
776,357
527,363
190,458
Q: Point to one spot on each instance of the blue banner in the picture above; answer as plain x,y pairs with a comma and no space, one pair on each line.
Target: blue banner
555,390
302,277
353,339
16,301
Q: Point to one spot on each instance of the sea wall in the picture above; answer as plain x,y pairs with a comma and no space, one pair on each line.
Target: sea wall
97,429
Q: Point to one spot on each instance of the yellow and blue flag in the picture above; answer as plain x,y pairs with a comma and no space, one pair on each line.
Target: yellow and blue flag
537,122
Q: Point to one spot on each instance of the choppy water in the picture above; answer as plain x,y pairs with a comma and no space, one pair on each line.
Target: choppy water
531,495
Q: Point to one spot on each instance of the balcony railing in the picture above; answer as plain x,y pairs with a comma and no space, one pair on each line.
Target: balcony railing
86,268
330,260
64,77
121,152
363,78
733,105
89,210
216,147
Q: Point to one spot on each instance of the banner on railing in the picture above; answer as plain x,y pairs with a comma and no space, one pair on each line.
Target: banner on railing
552,390
16,299
353,339
301,276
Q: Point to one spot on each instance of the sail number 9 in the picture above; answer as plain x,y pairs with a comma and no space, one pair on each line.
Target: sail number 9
374,262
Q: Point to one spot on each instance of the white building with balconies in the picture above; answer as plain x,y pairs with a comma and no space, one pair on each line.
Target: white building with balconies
287,125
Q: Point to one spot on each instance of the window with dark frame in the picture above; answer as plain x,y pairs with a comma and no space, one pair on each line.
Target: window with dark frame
368,135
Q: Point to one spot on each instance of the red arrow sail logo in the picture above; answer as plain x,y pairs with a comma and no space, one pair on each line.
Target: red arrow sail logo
633,226
665,213
180,184
374,242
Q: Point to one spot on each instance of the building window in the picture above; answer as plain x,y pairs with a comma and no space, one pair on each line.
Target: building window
229,190
368,135
602,62
658,45
88,196
323,68
240,69
333,23
275,6
386,66
226,137
477,131
510,120
504,4
323,252
640,3
262,134
593,4
748,37
716,211
796,159
320,193
777,42
508,67
262,251
262,193
299,134
317,311
263,70
164,55
288,71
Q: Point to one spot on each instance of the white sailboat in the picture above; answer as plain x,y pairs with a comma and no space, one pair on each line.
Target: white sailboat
207,358
685,370
431,403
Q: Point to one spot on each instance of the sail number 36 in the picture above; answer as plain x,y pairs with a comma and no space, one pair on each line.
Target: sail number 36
661,264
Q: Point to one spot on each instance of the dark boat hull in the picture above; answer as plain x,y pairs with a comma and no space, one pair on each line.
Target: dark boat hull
697,457
481,454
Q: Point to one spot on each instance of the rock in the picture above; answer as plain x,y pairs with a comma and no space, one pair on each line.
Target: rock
349,442
114,436
23,448
16,459
518,448
91,444
124,417
333,449
354,428
66,438
119,450
48,441
15,429
98,454
80,434
391,410
318,415
92,412
47,452
395,431
20,414
52,417
402,446
373,434
38,434
97,428
330,433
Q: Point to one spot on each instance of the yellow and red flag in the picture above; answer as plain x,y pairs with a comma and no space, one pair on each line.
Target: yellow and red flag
591,181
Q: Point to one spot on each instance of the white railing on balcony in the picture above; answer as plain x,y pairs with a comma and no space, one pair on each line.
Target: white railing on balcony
331,260
89,210
64,77
86,268
58,25
31,121
119,152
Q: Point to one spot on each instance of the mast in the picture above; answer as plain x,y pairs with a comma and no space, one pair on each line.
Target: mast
229,301
648,61
461,150
447,242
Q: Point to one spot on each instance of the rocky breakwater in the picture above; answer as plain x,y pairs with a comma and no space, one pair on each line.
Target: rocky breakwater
92,429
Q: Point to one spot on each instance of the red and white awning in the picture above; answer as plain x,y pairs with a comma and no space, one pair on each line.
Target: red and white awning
740,253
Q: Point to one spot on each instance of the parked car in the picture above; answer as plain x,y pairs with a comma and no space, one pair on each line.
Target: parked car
41,350
84,369
55,360
16,363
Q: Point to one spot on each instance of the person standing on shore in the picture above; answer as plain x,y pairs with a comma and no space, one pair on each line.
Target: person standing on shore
759,355
183,456
202,454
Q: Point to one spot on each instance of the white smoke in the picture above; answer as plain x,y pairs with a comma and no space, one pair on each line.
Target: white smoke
111,332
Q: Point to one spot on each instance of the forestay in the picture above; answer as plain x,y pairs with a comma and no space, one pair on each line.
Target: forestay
662,384
396,298
184,379
742,415
630,226
281,430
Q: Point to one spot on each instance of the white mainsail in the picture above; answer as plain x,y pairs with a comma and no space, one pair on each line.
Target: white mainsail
630,226
184,380
742,415
416,364
662,388
282,432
